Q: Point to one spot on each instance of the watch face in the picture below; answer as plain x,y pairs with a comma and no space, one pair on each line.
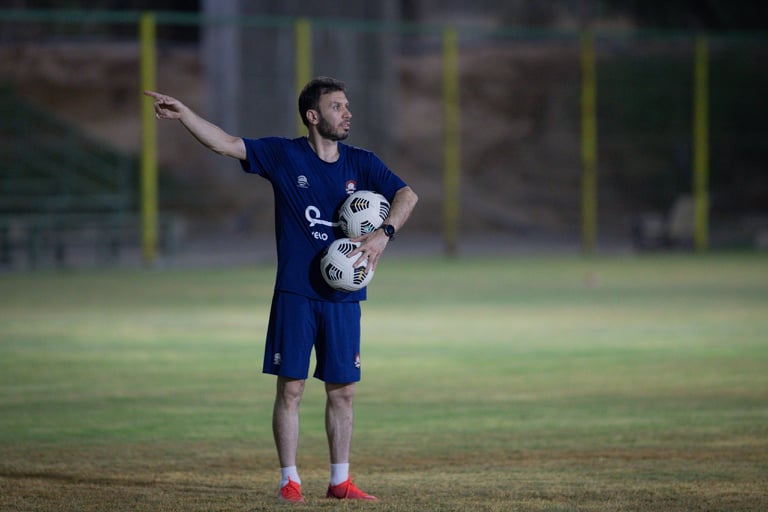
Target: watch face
389,229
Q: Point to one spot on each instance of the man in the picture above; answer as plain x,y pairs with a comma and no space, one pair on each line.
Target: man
311,177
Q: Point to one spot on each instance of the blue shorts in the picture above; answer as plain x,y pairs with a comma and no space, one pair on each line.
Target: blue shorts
297,323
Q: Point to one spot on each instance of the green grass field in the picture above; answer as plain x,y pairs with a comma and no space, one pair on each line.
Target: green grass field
556,383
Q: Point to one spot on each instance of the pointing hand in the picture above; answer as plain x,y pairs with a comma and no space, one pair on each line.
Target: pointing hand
166,107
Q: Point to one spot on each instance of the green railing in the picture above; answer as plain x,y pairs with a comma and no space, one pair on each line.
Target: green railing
50,166
57,184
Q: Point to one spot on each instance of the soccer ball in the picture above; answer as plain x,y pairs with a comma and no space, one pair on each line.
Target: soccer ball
339,271
363,212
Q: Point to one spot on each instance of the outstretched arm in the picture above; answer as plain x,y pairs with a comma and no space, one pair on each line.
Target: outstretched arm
374,243
209,135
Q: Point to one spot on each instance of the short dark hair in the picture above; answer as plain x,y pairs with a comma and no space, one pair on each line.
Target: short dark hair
309,99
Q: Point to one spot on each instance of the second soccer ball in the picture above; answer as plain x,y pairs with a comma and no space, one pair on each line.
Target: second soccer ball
339,271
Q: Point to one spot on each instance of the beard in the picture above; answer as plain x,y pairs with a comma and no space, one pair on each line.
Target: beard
327,131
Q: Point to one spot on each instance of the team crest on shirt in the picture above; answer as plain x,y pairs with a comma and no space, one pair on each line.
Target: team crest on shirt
351,187
302,182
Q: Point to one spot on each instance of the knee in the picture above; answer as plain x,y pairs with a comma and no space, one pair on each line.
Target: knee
289,392
340,394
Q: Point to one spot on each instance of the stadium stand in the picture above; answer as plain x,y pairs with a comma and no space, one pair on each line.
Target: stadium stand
59,190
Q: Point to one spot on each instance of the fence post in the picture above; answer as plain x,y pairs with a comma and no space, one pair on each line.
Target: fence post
588,143
303,38
701,144
148,140
452,140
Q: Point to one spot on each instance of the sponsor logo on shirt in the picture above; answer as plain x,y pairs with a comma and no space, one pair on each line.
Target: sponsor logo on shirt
302,182
313,216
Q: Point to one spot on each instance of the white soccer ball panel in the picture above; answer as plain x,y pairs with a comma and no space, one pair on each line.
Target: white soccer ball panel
363,212
339,271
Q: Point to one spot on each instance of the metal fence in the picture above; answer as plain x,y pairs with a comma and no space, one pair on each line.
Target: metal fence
518,152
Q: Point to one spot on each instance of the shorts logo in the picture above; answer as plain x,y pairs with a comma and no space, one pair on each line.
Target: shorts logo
357,361
277,359
302,182
351,187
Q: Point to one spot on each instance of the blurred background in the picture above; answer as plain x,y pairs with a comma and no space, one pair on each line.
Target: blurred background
71,134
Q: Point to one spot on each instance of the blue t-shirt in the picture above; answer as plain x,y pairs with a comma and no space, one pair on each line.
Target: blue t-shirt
308,194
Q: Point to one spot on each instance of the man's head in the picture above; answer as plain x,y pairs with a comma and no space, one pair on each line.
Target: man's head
313,108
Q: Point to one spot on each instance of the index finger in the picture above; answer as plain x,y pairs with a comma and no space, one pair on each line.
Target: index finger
153,94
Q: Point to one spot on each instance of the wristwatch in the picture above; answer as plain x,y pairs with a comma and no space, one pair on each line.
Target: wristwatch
389,230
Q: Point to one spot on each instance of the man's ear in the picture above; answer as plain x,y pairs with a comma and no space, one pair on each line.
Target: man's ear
312,116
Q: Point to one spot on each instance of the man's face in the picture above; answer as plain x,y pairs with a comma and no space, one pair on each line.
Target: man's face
334,116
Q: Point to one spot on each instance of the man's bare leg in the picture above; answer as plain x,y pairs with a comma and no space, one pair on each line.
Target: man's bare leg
339,420
285,419
285,427
338,426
